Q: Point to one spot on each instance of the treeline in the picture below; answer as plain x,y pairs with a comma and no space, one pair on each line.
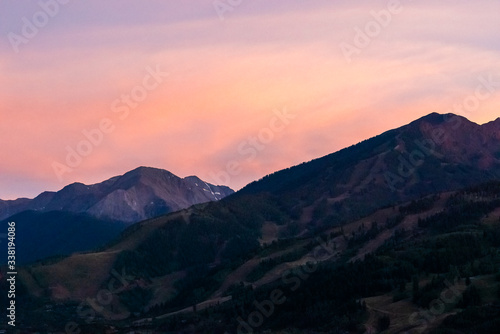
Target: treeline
472,320
363,235
267,264
418,206
459,211
222,233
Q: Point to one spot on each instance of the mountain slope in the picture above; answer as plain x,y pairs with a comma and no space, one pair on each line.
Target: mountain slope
44,234
191,252
345,279
432,154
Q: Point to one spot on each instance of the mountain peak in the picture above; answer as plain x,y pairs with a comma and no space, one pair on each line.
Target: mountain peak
193,178
148,171
494,123
435,118
493,128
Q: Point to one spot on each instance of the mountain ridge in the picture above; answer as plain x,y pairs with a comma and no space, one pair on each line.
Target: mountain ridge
438,130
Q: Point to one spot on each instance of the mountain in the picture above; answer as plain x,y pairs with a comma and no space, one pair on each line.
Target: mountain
432,154
83,217
137,195
352,225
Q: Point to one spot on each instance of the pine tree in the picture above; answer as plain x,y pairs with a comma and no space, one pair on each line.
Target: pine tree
415,287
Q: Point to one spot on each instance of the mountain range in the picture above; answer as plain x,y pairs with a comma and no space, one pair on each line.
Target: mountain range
81,217
137,195
389,211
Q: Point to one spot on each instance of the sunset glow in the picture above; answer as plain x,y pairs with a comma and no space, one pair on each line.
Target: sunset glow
266,87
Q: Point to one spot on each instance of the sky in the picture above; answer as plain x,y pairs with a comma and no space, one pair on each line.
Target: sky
228,90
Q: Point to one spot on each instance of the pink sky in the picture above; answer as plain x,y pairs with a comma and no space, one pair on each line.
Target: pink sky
226,81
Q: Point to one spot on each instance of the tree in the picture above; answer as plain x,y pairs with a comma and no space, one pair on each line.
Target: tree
470,297
383,323
415,287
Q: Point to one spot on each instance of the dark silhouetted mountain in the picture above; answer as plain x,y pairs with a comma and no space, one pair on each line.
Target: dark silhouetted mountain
432,154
